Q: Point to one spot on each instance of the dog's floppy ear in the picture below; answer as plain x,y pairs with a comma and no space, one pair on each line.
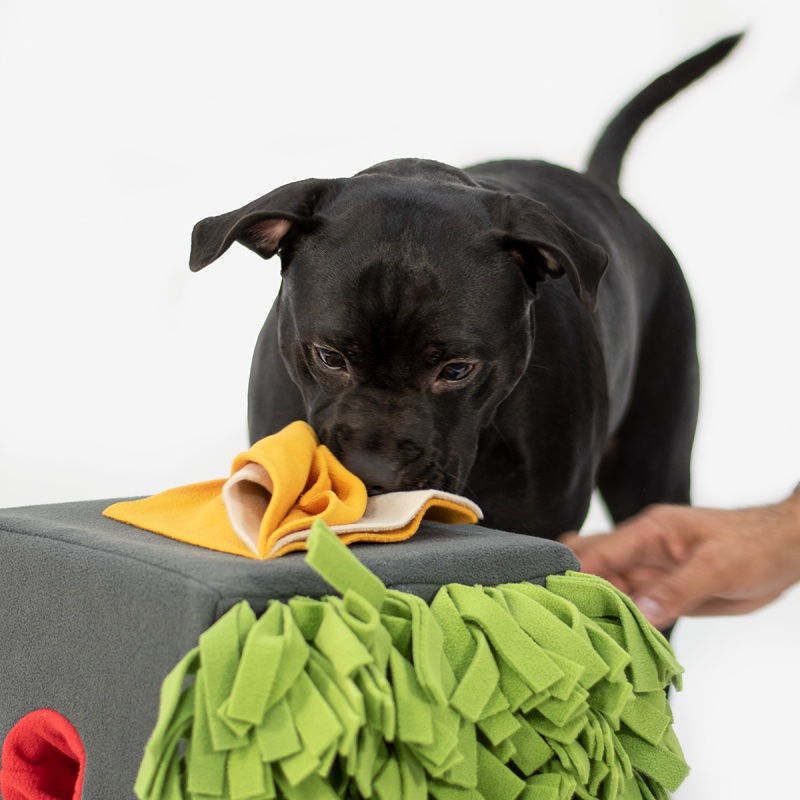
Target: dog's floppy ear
547,247
261,225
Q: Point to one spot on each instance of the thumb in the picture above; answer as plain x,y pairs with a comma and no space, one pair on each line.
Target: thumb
681,589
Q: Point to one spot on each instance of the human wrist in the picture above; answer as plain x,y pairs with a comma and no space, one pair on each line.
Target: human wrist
790,511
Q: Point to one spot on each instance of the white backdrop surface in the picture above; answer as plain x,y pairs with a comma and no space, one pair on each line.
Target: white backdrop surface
123,124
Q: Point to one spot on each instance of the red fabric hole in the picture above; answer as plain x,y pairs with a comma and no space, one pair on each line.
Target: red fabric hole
43,759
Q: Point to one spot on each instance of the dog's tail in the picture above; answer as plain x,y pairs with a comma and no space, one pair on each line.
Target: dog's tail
606,159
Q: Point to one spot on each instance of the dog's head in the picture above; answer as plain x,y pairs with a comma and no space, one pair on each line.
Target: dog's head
406,307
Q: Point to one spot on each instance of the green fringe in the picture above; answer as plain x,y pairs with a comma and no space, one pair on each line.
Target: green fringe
517,691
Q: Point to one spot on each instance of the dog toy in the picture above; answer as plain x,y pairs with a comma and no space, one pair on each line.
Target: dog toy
276,490
516,691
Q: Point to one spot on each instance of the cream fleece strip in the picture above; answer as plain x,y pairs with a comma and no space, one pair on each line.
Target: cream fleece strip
247,493
386,512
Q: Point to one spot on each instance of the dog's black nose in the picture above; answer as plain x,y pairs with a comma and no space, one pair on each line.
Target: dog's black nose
378,473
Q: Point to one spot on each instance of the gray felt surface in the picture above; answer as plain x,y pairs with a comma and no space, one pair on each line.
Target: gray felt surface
95,612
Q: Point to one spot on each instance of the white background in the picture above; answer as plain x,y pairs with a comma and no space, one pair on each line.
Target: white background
123,124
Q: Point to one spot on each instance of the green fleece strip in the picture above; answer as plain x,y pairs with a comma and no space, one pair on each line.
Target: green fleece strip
206,766
651,790
458,640
505,751
548,631
293,657
414,716
160,765
518,691
598,599
665,656
479,681
588,738
368,742
415,782
388,784
175,713
400,631
497,701
499,727
316,723
312,788
615,656
220,653
245,773
559,733
327,760
532,751
645,718
613,744
300,766
341,696
388,710
607,611
631,791
443,754
465,772
562,712
307,614
549,786
364,621
336,641
335,562
258,668
427,642
529,661
580,762
494,593
611,699
443,791
374,700
277,736
598,772
495,780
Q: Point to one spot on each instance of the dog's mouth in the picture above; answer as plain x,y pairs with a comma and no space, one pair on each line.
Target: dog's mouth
432,477
404,469
381,476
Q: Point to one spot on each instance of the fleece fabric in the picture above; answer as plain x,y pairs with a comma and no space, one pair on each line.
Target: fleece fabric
96,613
43,759
275,491
516,691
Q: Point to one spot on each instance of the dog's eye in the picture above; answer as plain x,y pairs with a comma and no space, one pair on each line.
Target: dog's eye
456,371
331,359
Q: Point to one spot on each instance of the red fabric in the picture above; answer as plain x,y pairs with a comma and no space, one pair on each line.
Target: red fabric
43,759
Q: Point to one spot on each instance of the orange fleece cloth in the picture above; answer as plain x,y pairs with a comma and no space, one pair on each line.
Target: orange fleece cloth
276,490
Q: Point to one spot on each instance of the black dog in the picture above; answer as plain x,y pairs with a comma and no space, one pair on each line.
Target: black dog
404,330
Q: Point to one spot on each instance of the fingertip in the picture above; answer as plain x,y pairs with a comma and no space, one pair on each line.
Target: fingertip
571,540
594,566
653,612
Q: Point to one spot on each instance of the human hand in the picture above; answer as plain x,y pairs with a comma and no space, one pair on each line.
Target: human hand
681,561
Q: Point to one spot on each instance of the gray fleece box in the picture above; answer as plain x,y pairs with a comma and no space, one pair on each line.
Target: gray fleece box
95,613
